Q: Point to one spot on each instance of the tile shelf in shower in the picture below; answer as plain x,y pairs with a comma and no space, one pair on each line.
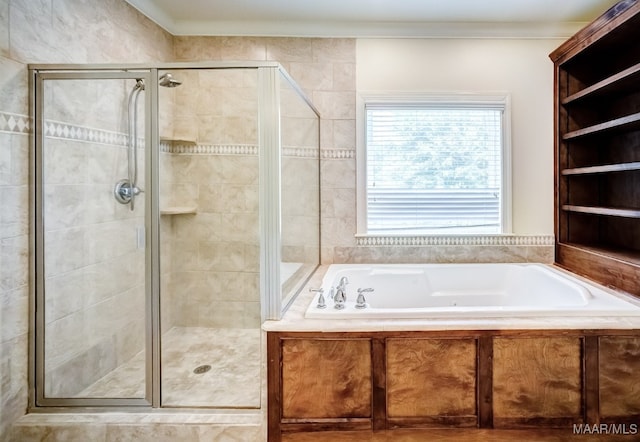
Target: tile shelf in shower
179,210
164,139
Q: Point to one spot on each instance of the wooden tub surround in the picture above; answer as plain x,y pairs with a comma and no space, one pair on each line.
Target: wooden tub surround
505,379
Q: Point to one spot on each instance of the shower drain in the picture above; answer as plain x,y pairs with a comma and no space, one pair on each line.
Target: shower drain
202,369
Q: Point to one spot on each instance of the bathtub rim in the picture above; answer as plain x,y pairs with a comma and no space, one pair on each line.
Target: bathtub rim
596,299
294,319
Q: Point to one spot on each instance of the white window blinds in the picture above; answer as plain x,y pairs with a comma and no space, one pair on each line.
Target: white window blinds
434,168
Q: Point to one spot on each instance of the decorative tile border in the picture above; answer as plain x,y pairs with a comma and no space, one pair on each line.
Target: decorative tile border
300,152
188,148
458,240
15,123
337,154
57,129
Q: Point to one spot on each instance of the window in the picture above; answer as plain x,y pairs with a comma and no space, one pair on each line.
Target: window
435,167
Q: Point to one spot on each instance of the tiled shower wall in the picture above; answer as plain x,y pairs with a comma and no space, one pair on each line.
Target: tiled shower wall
210,164
45,31
326,70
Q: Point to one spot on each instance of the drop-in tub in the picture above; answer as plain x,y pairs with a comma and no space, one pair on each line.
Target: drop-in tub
423,291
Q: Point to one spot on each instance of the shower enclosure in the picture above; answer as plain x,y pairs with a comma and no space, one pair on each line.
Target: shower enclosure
176,207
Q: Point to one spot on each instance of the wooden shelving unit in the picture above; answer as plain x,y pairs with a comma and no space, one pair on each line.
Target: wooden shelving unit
597,149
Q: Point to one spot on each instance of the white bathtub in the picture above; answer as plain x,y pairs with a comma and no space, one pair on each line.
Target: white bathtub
424,291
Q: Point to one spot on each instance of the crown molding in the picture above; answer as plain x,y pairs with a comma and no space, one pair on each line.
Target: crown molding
355,29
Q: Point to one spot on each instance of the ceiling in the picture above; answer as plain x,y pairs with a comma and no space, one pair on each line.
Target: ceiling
374,18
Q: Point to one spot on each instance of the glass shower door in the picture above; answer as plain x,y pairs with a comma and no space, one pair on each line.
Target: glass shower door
92,225
210,239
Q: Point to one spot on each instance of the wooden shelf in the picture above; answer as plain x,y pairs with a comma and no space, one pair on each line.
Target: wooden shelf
606,211
178,210
627,122
606,168
619,82
599,239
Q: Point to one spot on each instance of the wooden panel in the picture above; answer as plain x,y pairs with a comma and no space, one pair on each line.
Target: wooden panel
431,377
273,387
331,424
458,435
485,382
590,384
619,376
537,378
378,357
611,270
326,378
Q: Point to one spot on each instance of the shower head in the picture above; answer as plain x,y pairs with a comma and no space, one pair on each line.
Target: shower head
167,80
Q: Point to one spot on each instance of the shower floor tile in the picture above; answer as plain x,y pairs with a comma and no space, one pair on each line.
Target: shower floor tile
233,379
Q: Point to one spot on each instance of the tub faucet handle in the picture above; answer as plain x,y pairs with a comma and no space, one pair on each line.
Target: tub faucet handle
321,301
361,302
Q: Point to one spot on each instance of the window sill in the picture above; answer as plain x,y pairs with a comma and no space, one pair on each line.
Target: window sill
505,239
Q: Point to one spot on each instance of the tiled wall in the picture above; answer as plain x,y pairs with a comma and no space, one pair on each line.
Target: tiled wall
211,164
43,31
325,69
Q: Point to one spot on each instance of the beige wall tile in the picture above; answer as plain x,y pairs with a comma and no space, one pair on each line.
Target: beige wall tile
13,382
288,49
13,82
13,223
335,105
14,272
331,50
14,313
4,28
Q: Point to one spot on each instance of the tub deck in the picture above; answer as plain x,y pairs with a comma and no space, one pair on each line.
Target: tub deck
389,379
431,291
294,318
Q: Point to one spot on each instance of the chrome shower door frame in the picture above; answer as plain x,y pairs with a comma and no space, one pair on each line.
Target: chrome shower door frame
38,76
270,152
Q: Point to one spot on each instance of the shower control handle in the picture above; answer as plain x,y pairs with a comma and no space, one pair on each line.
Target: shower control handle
124,192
